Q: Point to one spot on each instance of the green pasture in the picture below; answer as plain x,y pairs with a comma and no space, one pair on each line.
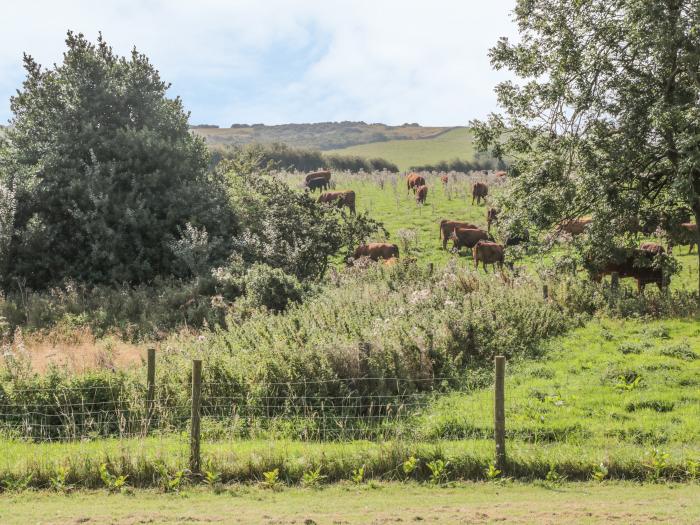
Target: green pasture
453,144
386,199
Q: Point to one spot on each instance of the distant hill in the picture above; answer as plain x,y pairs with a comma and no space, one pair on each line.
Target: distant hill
455,143
322,135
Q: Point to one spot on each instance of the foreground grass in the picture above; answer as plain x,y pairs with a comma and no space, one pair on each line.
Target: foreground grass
453,144
374,503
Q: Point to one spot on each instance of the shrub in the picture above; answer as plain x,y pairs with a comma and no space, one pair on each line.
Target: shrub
271,288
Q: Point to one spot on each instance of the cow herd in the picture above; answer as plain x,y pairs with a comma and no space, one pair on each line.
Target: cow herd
638,264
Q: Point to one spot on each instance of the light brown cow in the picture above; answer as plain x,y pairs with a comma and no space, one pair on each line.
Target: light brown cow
444,179
652,247
341,198
501,173
377,250
575,226
468,237
413,181
479,191
447,227
421,194
319,174
488,253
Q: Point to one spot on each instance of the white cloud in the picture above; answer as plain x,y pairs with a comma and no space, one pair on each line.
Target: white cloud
279,61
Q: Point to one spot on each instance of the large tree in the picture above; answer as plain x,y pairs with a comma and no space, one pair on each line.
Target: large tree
103,172
604,118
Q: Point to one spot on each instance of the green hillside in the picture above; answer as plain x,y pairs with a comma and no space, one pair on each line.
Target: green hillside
456,143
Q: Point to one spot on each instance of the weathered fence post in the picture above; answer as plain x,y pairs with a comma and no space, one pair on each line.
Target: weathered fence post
614,281
430,268
195,458
150,387
500,413
545,292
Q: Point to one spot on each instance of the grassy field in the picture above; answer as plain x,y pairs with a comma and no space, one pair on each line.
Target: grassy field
456,143
385,198
376,503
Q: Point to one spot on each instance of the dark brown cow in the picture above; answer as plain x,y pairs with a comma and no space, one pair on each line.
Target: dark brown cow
575,226
377,250
341,198
447,227
421,194
638,265
444,179
692,237
468,237
317,183
488,253
319,174
479,191
652,247
491,217
413,181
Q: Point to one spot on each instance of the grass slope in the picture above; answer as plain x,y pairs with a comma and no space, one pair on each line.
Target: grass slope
322,135
456,143
378,503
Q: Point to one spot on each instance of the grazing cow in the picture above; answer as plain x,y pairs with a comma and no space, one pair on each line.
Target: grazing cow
691,231
652,247
421,194
479,191
444,179
468,237
491,217
316,174
488,253
637,264
341,198
317,183
680,234
377,250
575,226
500,174
413,181
447,227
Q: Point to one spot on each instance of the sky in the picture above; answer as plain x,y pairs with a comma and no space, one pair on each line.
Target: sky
281,61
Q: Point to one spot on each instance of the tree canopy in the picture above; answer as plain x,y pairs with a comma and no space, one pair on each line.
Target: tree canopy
102,172
604,119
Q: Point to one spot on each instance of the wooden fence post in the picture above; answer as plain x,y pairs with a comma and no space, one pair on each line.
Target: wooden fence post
195,458
150,386
500,413
545,292
430,268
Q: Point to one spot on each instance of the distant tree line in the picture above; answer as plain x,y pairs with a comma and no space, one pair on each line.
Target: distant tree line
282,156
463,166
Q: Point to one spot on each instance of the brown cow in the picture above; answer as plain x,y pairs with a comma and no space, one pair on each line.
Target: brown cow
491,217
319,174
488,253
444,179
377,250
421,194
652,247
341,198
638,265
692,231
479,191
317,183
501,173
413,181
447,227
468,237
575,226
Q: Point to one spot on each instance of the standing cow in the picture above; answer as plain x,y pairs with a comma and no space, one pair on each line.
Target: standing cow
447,227
479,191
413,181
638,264
488,253
421,194
317,183
376,251
341,198
468,237
319,174
491,217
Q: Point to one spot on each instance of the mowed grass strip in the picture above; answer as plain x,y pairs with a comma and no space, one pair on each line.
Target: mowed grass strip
453,144
373,503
